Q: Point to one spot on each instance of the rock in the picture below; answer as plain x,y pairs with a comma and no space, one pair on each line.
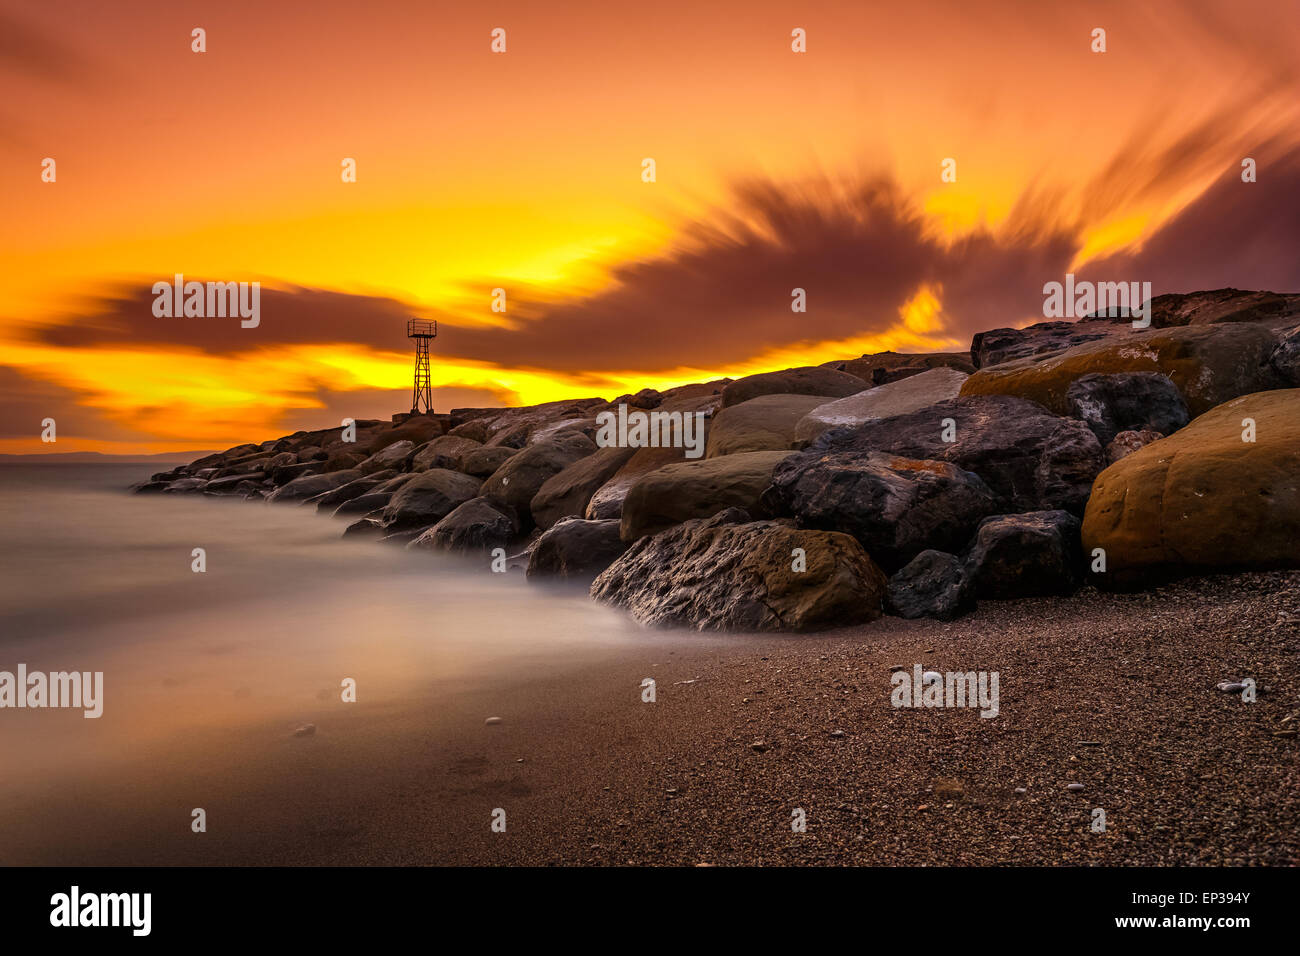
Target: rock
1125,443
475,430
896,398
896,507
185,484
1110,404
1231,687
311,453
696,489
445,452
228,485
284,474
1042,339
575,549
368,527
607,500
1209,364
933,584
1030,458
1074,787
1203,499
729,573
149,487
647,398
1285,359
518,480
567,493
765,423
343,460
885,367
1222,305
391,456
491,721
416,430
808,380
513,426
482,462
1026,555
329,500
308,486
306,730
371,501
428,498
478,525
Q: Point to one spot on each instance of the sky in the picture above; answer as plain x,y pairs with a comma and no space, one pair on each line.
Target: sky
523,171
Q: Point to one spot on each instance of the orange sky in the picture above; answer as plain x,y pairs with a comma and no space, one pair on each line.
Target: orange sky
522,171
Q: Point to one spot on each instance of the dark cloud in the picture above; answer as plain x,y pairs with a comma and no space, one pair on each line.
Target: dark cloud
1235,234
722,293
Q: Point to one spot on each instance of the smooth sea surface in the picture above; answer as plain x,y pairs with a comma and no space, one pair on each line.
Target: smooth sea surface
95,579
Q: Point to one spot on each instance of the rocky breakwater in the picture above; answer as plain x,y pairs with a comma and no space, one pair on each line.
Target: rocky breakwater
1050,458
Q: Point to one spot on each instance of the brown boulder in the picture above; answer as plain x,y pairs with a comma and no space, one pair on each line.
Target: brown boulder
1203,499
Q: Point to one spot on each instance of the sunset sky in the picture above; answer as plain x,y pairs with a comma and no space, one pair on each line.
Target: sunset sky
522,171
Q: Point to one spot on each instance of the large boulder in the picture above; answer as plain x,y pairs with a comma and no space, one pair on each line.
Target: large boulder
766,423
391,456
607,500
482,462
808,380
1203,499
697,489
729,573
898,397
417,430
567,493
309,486
448,452
1026,555
575,550
1030,458
518,480
897,507
1042,339
428,498
1209,364
1130,401
933,584
479,524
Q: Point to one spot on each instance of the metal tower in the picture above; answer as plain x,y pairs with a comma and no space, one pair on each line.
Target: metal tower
422,393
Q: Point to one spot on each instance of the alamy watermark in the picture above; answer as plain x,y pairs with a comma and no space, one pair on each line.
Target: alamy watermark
210,300
1078,300
640,429
920,688
36,689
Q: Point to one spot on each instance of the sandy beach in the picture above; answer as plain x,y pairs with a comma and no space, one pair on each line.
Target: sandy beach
1114,692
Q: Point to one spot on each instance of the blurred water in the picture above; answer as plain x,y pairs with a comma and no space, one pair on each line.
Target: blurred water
94,579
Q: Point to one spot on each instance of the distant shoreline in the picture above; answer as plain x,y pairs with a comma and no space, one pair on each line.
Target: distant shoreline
96,458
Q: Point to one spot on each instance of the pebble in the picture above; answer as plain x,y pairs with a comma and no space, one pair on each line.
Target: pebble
306,730
837,733
492,720
1074,787
1021,790
1284,733
1231,687
759,745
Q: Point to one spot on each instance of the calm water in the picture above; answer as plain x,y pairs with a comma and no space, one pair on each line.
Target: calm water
94,579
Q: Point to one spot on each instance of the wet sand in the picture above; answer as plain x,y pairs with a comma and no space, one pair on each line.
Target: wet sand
743,732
